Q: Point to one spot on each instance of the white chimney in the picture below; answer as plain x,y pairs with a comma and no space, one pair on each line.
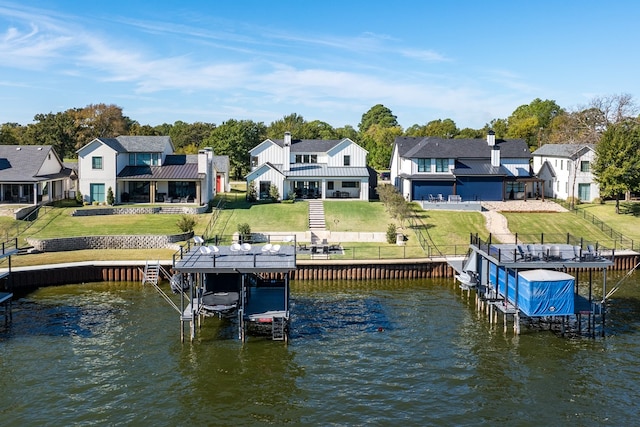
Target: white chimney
491,138
495,156
286,152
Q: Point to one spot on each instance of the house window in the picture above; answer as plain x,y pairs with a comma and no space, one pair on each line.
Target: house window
424,165
306,158
585,166
96,192
347,160
349,184
96,163
561,161
442,165
329,185
144,159
254,161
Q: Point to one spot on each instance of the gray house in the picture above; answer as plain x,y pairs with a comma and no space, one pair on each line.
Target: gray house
32,174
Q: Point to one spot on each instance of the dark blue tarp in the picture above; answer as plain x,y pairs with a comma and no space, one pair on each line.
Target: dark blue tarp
540,292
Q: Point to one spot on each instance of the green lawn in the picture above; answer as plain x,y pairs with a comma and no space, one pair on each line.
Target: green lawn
627,223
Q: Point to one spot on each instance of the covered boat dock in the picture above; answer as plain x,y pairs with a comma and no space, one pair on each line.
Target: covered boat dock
530,282
243,281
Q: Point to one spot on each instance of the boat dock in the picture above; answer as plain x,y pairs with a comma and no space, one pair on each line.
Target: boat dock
7,250
529,283
247,282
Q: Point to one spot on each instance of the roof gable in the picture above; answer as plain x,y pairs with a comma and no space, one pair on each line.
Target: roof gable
563,150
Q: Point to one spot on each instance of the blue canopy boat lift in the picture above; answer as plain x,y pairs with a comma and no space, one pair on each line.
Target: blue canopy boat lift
243,281
530,281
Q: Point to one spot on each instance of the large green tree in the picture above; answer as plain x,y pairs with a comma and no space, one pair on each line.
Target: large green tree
617,163
531,120
58,130
235,138
377,115
378,141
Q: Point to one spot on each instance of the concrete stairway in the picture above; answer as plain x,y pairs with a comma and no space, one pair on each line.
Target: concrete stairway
316,215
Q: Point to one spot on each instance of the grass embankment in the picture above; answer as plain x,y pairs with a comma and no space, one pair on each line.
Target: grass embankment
445,231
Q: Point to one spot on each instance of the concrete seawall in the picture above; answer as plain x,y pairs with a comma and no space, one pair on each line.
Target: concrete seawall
25,279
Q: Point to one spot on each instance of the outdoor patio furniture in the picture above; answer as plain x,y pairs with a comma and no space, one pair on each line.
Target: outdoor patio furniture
275,249
245,247
198,240
266,248
235,247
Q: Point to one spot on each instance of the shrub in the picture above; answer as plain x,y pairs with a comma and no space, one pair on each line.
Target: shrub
186,223
573,201
274,194
252,193
391,233
244,230
110,197
79,197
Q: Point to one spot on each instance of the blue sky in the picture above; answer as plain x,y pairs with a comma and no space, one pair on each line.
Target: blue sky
163,61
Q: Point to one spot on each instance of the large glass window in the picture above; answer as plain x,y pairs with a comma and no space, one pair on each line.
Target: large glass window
350,184
97,192
96,163
182,189
144,159
442,165
424,165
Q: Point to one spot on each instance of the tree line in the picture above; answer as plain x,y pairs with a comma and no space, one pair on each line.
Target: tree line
539,122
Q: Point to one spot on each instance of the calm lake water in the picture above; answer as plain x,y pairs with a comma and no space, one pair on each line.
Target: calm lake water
110,354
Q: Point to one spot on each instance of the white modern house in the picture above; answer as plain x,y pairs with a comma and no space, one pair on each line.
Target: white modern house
566,171
471,169
144,169
33,174
311,168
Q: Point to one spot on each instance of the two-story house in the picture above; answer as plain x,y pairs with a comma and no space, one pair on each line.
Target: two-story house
32,174
311,168
472,169
566,171
144,169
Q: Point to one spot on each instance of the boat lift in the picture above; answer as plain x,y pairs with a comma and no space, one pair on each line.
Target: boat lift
247,282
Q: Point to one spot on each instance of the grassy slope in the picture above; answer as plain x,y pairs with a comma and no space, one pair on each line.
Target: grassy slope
446,229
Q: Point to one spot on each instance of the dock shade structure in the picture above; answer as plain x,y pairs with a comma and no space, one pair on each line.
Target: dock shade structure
249,283
537,292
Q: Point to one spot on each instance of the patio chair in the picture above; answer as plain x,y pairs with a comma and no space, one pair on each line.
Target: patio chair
235,247
522,253
554,253
531,251
440,198
275,249
431,198
577,253
302,247
266,248
246,247
198,240
591,253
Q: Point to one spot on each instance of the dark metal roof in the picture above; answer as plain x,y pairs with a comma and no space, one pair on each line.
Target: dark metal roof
184,172
221,163
138,144
464,148
478,168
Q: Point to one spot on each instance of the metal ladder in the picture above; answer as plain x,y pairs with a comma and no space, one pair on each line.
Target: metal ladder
278,325
151,274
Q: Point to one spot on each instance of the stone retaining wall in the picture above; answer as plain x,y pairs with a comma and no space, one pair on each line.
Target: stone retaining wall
108,242
187,210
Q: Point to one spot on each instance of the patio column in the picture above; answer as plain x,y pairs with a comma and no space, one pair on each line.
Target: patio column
35,193
198,199
323,188
152,191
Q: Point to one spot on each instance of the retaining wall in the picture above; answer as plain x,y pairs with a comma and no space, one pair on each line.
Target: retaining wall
187,210
108,242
